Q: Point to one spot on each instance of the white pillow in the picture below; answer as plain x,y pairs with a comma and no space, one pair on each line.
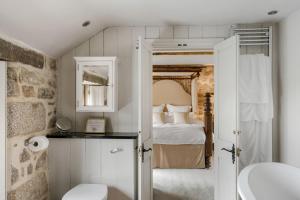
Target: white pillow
169,118
159,108
181,118
172,108
158,118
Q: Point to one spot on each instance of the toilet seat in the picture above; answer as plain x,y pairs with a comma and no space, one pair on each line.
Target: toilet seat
87,192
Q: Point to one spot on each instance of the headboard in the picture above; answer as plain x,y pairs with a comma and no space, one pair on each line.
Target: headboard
170,92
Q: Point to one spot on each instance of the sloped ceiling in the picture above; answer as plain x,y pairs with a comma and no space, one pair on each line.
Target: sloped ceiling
53,26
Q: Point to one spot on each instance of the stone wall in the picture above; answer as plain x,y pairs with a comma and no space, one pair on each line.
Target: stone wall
31,111
206,84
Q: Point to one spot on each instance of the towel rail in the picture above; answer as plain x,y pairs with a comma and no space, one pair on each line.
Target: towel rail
254,36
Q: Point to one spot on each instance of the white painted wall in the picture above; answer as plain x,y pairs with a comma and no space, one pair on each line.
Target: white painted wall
290,89
120,42
2,129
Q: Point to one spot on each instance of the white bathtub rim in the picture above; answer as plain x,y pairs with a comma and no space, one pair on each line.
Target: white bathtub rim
243,179
243,183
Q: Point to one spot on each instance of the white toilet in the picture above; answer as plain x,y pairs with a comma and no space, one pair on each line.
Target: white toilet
87,192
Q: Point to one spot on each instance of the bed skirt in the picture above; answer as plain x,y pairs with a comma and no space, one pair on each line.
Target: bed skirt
185,156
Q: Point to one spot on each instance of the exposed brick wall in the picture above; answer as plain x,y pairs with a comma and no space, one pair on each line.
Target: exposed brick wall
31,111
206,84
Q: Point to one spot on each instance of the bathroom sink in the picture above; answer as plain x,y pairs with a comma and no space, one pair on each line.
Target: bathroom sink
269,181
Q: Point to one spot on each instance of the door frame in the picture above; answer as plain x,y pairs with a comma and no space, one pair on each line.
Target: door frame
201,45
3,129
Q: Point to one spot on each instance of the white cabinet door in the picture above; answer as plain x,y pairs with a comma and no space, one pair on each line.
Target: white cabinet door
2,128
93,161
59,168
118,168
226,118
77,161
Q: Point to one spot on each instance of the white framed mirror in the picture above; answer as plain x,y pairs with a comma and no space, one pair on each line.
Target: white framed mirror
96,84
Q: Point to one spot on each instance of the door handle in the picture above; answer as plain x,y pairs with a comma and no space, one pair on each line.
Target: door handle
142,151
232,151
146,150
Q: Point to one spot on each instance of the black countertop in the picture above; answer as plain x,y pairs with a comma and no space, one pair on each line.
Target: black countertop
114,135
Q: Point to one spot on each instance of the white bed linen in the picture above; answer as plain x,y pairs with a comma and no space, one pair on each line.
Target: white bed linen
170,133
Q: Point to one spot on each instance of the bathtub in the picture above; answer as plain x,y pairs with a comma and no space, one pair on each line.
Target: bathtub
269,181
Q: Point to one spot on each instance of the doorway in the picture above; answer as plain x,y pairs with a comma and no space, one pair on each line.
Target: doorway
181,112
182,94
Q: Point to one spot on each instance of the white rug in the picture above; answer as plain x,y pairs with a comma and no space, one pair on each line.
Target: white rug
183,184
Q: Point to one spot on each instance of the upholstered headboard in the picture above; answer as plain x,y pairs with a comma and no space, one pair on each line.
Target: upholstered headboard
170,92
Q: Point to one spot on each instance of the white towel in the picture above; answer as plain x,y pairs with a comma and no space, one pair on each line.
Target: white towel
253,79
256,109
255,88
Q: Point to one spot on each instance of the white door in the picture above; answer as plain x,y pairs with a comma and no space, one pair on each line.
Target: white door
144,57
2,128
226,118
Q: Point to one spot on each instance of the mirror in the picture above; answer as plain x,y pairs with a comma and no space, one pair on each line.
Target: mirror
95,81
96,84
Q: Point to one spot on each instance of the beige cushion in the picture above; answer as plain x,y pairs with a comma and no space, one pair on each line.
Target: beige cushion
158,117
181,118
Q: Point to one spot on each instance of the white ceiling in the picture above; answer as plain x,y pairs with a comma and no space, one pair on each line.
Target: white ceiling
53,26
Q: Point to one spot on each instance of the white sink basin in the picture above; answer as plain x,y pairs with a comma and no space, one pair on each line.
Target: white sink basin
269,181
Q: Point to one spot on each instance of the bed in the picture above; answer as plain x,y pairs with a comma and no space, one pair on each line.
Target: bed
180,146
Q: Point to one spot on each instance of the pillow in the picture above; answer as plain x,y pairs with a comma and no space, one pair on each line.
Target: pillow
172,108
181,118
158,117
159,108
168,117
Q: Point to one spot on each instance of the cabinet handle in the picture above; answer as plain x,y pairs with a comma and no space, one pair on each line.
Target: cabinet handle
116,150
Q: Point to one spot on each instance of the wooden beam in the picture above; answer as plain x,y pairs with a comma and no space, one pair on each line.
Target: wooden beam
171,77
183,53
178,68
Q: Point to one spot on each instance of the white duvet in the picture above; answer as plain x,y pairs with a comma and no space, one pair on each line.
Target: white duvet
170,133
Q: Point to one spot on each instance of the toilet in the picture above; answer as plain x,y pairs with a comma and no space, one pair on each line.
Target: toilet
87,192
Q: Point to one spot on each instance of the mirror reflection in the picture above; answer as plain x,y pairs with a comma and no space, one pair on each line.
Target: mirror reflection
95,82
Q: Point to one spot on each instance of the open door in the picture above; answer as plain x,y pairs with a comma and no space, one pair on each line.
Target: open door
144,57
226,118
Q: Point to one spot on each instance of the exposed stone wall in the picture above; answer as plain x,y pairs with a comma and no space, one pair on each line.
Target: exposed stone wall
31,111
206,84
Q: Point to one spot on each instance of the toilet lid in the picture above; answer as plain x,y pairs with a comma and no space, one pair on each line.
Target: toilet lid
87,191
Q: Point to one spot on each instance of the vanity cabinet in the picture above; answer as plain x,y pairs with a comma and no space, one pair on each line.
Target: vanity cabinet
73,161
96,84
